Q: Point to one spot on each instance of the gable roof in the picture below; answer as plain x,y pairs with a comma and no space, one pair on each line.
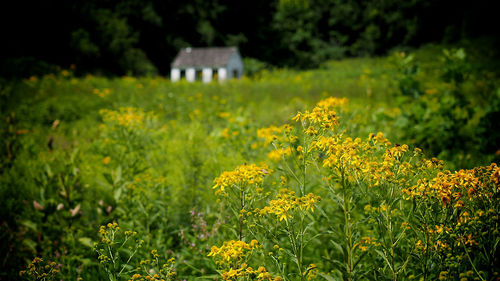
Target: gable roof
199,57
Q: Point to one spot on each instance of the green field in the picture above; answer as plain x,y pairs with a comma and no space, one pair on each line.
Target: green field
323,195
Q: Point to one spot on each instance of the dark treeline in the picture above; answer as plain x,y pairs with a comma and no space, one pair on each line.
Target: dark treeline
141,37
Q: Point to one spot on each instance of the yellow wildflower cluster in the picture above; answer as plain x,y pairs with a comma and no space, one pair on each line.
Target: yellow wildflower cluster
466,275
379,139
365,242
232,251
102,93
260,274
332,102
452,188
495,173
108,233
369,209
38,270
271,133
277,154
139,277
322,114
166,272
435,241
361,158
436,245
129,117
341,153
146,181
395,153
152,277
241,176
105,229
224,115
287,202
389,167
433,163
231,254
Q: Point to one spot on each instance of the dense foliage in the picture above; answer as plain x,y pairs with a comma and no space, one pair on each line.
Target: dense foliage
268,178
142,37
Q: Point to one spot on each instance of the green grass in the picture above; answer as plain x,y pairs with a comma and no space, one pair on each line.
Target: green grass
185,145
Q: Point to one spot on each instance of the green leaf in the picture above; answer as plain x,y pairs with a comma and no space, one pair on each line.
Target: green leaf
117,194
118,175
108,178
86,261
338,247
460,54
30,244
29,224
86,241
381,254
48,171
209,277
327,277
74,154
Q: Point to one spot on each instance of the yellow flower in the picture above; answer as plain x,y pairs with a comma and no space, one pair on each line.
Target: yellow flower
311,131
232,250
242,175
277,154
130,117
287,202
271,133
225,133
106,160
430,91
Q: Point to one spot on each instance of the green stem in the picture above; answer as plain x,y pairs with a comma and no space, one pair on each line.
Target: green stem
470,260
305,148
347,220
426,253
391,240
296,251
242,206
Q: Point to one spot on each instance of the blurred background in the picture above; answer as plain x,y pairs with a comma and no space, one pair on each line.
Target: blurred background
93,131
141,37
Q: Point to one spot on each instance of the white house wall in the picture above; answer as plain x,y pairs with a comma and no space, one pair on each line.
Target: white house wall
207,75
190,74
222,74
235,63
175,74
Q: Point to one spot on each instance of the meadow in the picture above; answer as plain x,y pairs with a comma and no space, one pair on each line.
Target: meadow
364,169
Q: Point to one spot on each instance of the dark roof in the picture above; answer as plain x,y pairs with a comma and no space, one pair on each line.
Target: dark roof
199,57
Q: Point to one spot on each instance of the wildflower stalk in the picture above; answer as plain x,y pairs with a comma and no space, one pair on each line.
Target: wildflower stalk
472,263
242,207
391,241
426,273
113,260
348,233
290,170
390,233
297,249
347,220
129,258
304,167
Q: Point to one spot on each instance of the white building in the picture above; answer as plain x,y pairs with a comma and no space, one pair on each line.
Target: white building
206,63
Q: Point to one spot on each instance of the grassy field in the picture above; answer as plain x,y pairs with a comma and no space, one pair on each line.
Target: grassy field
280,176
